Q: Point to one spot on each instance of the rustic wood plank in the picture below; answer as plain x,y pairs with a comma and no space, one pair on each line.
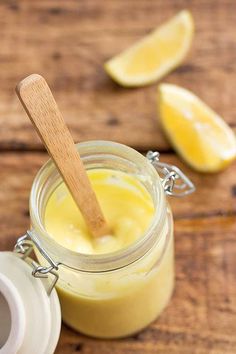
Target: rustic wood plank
215,197
201,317
68,41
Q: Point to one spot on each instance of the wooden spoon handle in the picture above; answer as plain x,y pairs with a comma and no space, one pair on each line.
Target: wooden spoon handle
38,101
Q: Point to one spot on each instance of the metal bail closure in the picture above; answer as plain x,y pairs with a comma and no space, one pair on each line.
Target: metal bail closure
174,181
24,246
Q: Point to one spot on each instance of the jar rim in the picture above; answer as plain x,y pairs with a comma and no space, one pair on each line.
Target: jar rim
109,261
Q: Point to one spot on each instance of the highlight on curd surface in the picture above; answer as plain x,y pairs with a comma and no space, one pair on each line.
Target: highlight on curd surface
126,204
199,135
155,55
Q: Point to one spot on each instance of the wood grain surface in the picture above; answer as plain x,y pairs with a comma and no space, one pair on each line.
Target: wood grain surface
67,42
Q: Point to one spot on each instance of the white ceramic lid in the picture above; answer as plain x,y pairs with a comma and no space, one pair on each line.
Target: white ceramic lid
30,318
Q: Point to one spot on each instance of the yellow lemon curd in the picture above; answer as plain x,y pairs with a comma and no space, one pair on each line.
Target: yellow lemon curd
118,302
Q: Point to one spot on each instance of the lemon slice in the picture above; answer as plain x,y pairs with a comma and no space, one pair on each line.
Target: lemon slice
200,136
155,55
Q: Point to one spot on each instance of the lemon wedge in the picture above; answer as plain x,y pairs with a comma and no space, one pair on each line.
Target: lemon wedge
201,137
155,55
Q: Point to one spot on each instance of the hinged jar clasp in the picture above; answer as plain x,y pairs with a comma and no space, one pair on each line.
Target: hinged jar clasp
174,181
24,246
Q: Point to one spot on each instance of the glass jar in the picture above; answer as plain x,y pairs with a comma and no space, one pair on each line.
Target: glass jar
117,294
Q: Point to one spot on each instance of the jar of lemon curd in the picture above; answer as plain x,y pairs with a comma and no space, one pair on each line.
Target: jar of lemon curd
119,292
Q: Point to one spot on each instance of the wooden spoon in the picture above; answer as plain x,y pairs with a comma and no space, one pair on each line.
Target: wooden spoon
38,101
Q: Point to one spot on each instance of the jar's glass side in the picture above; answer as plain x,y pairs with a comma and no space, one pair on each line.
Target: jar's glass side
127,289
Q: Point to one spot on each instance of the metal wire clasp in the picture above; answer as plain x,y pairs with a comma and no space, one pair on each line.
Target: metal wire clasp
174,181
24,246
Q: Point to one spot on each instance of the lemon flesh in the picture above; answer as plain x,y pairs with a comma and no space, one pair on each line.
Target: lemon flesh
155,55
200,136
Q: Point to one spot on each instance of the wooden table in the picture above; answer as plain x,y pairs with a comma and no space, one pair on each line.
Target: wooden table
67,42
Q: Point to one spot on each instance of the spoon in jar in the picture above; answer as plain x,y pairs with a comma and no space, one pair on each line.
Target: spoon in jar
40,105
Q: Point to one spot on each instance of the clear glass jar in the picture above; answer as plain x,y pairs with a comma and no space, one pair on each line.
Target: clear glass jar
117,294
